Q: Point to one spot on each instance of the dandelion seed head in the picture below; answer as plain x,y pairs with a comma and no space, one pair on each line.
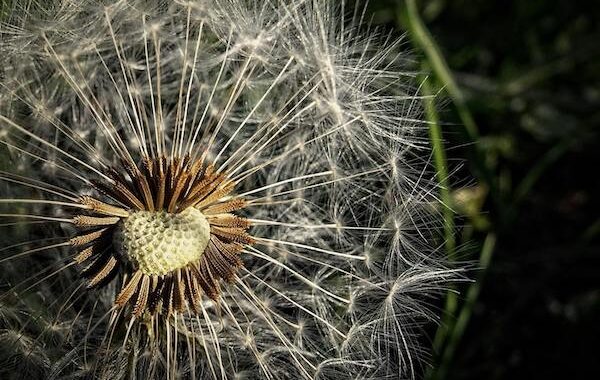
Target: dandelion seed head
228,189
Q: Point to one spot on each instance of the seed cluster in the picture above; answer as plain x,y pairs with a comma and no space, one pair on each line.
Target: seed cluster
173,236
157,243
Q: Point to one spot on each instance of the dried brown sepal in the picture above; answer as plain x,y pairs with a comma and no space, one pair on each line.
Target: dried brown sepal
142,299
218,265
203,188
192,291
155,298
207,283
102,208
219,193
90,251
229,220
129,289
225,207
229,251
86,238
167,296
127,196
238,235
179,292
104,272
94,221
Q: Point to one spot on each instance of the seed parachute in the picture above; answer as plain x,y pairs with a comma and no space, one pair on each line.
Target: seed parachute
212,189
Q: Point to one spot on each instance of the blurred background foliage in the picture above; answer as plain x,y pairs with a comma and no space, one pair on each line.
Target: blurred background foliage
514,121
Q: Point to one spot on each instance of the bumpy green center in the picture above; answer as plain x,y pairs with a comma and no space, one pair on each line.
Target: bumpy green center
157,243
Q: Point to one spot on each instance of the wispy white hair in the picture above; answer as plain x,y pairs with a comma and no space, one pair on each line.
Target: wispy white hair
313,112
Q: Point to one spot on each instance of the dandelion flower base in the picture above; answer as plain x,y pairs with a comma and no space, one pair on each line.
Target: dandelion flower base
157,243
176,239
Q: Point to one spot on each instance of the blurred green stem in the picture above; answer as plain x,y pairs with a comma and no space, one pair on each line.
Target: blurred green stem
422,38
440,162
408,16
435,58
450,331
464,316
441,167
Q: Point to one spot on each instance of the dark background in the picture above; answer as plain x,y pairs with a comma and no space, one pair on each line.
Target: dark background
529,72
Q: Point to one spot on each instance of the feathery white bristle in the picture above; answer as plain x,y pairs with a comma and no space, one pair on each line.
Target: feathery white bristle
316,116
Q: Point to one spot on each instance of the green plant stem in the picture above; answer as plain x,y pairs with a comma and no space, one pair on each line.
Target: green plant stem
466,311
422,38
409,17
441,166
450,330
422,35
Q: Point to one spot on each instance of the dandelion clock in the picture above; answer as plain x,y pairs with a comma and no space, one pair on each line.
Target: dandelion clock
211,190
